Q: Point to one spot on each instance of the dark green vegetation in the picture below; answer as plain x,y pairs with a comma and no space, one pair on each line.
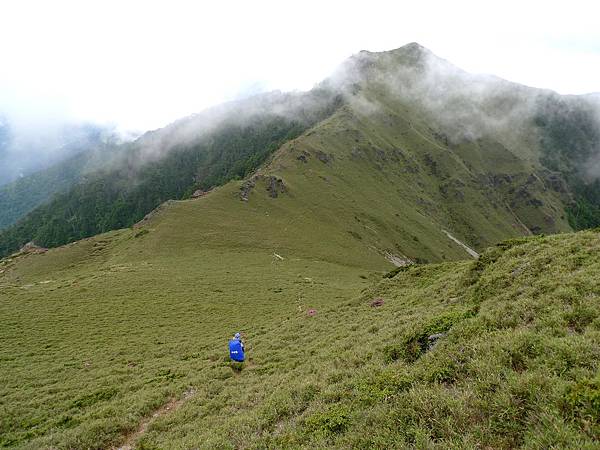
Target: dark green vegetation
24,195
191,154
121,338
30,175
571,145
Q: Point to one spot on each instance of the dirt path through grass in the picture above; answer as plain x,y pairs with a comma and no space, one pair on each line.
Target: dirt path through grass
468,249
169,407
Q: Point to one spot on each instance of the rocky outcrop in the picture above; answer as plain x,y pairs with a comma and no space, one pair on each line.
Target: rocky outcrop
324,157
433,339
32,247
303,156
246,188
275,186
199,193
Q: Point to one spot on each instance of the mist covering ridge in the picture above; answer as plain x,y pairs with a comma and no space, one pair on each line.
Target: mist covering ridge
473,120
198,152
560,133
293,106
27,147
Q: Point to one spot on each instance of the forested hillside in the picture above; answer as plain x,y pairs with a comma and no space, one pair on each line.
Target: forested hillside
570,144
167,164
37,178
27,193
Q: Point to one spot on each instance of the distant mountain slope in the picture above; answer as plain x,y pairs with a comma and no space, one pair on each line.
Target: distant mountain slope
198,152
406,148
570,145
31,173
29,148
21,196
28,192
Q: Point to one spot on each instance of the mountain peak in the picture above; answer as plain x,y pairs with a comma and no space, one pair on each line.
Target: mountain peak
357,68
413,47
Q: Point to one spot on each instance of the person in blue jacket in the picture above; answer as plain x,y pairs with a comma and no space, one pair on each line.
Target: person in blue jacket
236,348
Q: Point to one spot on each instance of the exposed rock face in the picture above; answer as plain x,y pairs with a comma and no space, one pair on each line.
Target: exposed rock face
499,180
324,157
380,155
557,183
303,156
432,340
398,261
199,193
31,247
275,186
246,188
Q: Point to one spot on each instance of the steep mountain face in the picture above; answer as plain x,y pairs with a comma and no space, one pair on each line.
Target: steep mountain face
446,151
570,145
417,158
422,153
4,137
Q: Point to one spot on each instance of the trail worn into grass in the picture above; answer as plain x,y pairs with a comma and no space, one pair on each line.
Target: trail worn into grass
468,249
171,406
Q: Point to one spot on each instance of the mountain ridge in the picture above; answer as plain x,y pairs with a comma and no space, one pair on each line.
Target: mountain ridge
461,118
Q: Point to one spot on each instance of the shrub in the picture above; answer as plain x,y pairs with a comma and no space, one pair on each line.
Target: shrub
417,343
384,385
333,420
582,400
579,317
90,399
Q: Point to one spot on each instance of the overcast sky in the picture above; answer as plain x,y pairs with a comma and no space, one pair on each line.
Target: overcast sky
143,64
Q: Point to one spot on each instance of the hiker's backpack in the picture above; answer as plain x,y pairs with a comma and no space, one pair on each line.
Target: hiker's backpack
236,351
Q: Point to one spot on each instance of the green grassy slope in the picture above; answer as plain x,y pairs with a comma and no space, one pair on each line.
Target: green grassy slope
98,335
102,334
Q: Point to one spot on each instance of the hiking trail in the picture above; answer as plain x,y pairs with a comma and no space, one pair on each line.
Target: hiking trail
172,405
468,249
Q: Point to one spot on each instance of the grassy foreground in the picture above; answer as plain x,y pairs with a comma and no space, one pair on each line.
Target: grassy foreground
93,351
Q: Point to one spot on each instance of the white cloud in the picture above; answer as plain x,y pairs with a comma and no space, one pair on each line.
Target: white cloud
143,64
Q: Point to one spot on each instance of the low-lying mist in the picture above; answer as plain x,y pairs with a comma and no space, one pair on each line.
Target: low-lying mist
29,146
468,107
